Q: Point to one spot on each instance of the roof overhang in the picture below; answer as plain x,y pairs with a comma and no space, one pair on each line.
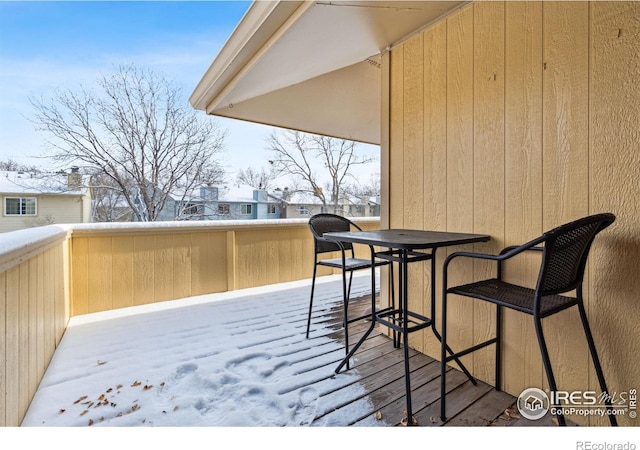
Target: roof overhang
312,66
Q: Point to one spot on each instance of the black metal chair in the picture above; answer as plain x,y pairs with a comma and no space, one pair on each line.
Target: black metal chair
564,255
347,262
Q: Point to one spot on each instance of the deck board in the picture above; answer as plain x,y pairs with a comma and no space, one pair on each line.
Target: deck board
381,371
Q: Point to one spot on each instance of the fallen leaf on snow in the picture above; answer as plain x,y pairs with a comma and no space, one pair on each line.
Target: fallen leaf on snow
136,383
80,399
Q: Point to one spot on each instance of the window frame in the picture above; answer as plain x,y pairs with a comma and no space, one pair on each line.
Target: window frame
224,209
246,209
20,206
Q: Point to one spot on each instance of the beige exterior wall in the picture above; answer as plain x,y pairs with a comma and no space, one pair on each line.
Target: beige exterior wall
51,209
509,119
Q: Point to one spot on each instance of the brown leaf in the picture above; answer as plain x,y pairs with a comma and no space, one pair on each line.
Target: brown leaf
101,363
136,383
101,419
80,399
119,386
84,412
62,411
378,415
109,390
134,407
90,422
147,387
175,408
101,397
162,384
513,413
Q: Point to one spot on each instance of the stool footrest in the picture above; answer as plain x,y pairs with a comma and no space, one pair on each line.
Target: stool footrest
393,319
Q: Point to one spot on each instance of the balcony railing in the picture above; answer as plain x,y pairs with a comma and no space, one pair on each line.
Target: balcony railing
49,274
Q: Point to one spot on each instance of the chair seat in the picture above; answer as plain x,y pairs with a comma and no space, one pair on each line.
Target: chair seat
513,296
350,263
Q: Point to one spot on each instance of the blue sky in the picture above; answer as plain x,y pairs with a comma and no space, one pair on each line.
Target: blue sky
49,45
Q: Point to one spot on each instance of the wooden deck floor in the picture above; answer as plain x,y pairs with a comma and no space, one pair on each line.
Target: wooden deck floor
382,370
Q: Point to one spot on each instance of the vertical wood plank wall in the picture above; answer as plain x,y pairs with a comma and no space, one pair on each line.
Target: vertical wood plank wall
524,116
35,312
115,269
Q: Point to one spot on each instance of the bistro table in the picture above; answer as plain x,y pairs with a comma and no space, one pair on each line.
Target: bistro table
404,247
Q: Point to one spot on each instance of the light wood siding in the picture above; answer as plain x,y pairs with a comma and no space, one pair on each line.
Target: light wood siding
33,301
524,115
114,269
614,168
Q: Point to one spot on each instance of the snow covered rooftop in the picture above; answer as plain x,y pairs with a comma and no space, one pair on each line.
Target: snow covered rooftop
14,182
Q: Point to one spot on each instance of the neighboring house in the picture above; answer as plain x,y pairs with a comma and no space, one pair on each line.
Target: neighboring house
305,204
32,199
214,203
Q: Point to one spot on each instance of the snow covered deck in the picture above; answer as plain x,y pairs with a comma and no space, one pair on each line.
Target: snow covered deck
241,359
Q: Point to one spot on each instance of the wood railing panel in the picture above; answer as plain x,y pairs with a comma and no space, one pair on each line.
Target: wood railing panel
3,348
33,302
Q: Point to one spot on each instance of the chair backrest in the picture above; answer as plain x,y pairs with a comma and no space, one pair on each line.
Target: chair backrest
325,223
566,249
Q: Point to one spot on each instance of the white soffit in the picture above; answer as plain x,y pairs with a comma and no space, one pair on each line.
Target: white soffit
311,66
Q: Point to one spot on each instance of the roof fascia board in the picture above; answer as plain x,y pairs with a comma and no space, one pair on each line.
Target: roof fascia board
245,46
428,25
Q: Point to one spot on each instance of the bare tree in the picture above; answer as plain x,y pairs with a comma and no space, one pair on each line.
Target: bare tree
301,154
369,189
107,200
262,179
11,165
139,132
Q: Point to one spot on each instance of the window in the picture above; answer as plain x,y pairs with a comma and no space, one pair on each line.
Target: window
223,209
20,206
193,209
271,209
303,210
245,209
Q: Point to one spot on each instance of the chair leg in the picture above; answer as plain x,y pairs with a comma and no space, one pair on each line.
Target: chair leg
498,376
547,364
596,364
443,358
345,311
313,286
393,304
